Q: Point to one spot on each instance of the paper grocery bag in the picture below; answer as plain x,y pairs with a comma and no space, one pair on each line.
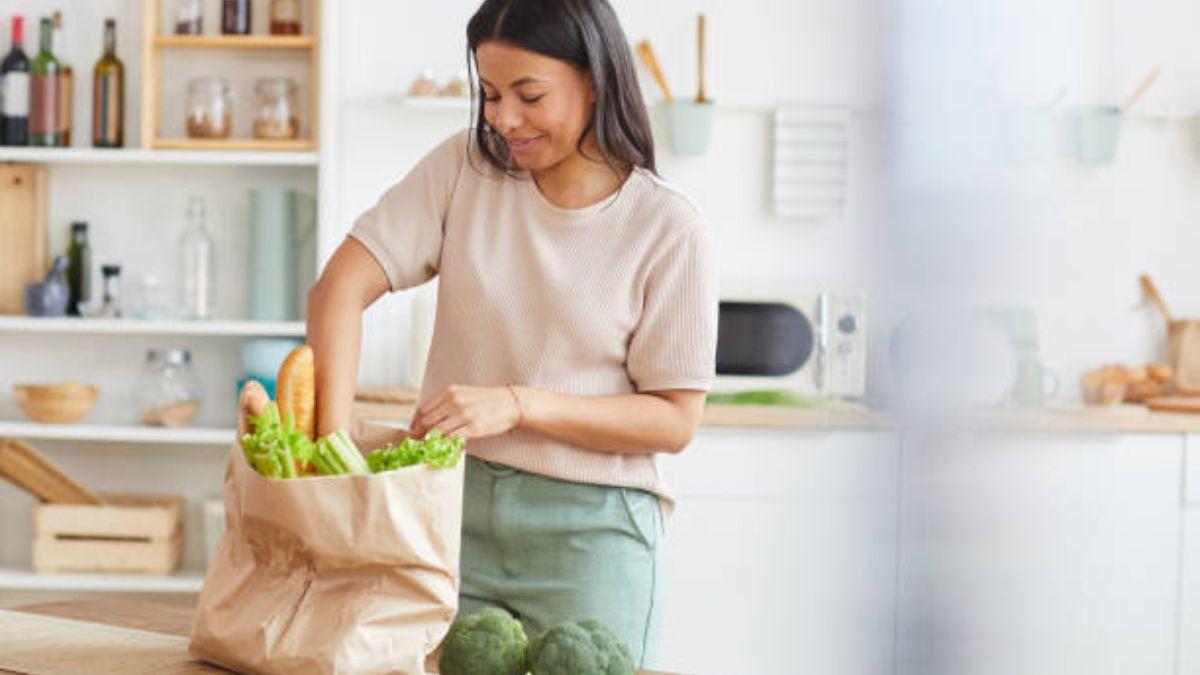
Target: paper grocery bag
345,574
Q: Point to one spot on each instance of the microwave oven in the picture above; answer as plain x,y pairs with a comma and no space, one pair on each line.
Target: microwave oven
805,342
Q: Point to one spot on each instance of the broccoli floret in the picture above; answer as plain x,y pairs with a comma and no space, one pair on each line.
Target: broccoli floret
587,647
488,642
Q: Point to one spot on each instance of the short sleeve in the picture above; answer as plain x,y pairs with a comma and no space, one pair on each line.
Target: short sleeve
675,343
404,230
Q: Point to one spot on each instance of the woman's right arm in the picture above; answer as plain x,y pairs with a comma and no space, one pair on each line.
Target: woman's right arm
351,282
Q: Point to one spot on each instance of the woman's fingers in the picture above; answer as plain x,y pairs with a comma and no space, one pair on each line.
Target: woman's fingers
451,424
435,416
435,401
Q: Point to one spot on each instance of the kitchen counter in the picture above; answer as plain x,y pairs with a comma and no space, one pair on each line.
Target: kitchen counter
763,416
1121,419
173,618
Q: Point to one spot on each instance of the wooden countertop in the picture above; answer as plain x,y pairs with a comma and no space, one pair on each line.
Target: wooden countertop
1061,419
762,416
169,617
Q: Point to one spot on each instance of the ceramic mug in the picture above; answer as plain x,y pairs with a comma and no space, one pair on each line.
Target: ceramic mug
1034,383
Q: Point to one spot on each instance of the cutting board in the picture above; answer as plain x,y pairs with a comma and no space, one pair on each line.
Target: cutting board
22,232
30,470
1178,404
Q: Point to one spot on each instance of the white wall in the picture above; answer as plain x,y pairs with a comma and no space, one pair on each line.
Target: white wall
1062,237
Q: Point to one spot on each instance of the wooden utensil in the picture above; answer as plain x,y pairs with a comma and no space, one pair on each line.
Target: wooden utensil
22,232
1183,343
30,470
646,52
1152,293
700,98
1142,87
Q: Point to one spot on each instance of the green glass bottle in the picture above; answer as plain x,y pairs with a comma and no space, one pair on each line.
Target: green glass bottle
79,268
108,94
44,126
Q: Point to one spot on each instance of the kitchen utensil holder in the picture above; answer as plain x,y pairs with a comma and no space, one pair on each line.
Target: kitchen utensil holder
691,126
1098,130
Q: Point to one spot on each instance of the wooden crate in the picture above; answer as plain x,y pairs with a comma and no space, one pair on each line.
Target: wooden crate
130,533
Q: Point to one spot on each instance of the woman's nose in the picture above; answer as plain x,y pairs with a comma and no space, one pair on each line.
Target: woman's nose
507,115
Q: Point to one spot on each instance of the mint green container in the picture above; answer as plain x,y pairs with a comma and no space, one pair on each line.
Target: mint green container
691,126
1099,129
271,255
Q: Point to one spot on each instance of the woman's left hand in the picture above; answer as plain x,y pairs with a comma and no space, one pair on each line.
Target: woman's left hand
472,412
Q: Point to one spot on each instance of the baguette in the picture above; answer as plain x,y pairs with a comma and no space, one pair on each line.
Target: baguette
295,389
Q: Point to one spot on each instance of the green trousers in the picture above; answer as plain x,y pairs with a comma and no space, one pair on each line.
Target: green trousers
549,551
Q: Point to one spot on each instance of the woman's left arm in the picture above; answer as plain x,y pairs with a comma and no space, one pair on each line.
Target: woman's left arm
662,421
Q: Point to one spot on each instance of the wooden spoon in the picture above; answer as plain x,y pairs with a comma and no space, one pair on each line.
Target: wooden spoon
1152,293
700,98
647,53
1141,89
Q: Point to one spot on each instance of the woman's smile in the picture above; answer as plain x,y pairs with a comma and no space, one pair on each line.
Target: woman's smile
522,146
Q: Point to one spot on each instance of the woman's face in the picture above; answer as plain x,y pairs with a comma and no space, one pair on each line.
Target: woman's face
540,105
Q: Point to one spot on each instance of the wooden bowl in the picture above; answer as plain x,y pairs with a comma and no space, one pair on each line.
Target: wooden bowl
56,403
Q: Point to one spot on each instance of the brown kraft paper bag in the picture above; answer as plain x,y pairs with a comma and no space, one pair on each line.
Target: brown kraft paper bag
332,574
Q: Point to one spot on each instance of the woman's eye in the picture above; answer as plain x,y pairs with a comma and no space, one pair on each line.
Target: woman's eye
490,99
532,99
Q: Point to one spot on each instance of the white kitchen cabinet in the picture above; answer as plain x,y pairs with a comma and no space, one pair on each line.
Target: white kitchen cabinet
1189,594
1040,554
780,556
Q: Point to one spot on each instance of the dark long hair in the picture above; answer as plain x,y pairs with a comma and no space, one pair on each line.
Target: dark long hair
587,35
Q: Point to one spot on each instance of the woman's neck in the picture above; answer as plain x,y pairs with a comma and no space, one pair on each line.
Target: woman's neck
577,182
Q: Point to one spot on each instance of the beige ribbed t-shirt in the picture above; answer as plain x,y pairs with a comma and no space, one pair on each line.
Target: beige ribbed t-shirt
614,298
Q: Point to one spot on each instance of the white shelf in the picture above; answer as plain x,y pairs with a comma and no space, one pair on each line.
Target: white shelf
26,324
143,156
185,581
113,433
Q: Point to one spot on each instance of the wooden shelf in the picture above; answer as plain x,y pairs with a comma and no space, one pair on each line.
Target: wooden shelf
184,581
161,157
235,145
26,324
154,48
296,42
115,433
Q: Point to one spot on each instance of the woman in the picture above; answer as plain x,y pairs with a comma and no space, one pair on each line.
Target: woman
576,318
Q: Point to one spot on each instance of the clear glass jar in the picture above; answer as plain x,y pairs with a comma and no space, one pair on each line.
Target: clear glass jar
285,17
189,17
209,108
168,391
275,115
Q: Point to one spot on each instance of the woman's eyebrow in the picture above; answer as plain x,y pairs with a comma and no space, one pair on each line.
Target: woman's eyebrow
518,83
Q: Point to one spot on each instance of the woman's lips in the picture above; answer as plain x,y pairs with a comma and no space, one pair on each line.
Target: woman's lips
520,146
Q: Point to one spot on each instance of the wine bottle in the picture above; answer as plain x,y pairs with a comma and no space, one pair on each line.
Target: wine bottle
108,94
66,82
14,90
44,129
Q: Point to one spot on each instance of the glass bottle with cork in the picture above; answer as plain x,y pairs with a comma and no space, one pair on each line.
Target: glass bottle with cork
44,127
108,94
66,82
197,265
